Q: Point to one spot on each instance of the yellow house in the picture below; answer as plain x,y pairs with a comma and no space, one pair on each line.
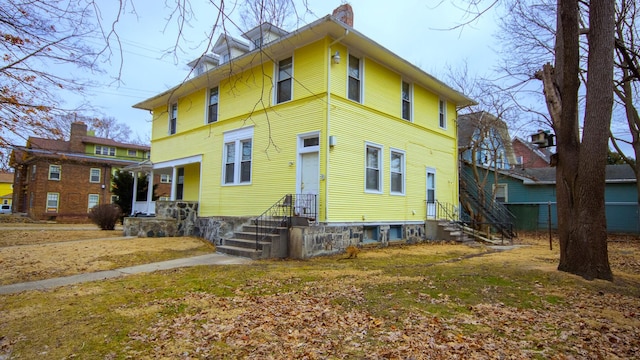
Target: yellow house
362,139
6,187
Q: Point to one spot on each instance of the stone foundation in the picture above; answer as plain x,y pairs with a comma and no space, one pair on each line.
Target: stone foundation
311,241
173,218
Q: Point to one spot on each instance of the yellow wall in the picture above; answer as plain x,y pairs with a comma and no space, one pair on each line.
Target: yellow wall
275,157
6,189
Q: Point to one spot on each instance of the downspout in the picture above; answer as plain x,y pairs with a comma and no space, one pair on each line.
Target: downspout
326,177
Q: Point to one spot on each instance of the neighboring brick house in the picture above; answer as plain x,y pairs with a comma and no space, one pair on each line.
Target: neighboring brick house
61,180
529,155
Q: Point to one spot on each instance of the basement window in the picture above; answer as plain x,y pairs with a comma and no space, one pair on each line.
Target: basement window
370,234
395,232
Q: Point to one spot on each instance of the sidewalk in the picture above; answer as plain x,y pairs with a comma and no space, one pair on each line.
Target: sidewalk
209,259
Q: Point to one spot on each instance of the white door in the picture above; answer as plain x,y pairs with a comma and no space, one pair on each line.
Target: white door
431,193
309,183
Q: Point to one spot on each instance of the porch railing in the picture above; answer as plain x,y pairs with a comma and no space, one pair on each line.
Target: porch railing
279,214
446,211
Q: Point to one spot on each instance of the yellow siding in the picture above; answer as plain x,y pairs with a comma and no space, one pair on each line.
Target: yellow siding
191,190
425,108
382,88
274,147
353,125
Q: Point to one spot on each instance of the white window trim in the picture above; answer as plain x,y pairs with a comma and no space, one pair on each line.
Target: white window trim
47,207
410,119
100,150
208,105
165,178
276,77
97,202
237,136
171,118
403,171
506,191
91,175
380,171
59,172
361,77
135,152
444,113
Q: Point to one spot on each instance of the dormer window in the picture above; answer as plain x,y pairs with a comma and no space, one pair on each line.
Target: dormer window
257,42
224,58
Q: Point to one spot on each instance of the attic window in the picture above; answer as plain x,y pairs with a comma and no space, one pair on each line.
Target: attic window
258,42
224,58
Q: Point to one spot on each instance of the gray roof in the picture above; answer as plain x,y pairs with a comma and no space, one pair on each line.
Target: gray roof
541,176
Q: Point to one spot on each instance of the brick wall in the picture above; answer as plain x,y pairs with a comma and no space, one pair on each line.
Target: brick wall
73,188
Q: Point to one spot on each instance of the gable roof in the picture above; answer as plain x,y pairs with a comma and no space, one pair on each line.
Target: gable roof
319,29
262,28
543,154
469,123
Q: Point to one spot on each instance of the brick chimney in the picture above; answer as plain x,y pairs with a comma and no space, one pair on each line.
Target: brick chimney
78,131
344,13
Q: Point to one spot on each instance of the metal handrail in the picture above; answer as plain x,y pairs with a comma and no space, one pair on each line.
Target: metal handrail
446,211
501,218
282,211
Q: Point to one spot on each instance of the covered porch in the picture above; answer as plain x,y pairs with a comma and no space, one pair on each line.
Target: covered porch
183,175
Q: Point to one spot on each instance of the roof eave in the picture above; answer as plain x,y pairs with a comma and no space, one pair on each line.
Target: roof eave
307,34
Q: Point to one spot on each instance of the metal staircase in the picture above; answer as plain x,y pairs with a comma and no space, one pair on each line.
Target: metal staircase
266,236
496,214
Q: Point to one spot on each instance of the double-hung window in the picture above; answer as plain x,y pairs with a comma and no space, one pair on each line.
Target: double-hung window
94,175
165,178
373,168
237,157
355,77
213,105
285,80
406,101
442,115
94,199
52,202
105,150
397,166
54,172
173,119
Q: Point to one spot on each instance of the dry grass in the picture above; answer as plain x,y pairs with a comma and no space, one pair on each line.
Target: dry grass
435,301
39,252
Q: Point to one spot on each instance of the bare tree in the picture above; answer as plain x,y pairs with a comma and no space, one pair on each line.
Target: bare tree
627,78
105,127
580,174
580,160
256,12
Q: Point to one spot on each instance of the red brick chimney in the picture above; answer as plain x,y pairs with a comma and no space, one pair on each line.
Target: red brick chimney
344,13
78,131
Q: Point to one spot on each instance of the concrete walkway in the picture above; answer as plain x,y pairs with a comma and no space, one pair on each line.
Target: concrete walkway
208,259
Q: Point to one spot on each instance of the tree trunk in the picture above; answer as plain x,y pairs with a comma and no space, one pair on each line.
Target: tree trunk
580,176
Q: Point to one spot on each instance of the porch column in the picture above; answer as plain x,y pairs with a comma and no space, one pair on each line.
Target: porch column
149,192
174,183
135,191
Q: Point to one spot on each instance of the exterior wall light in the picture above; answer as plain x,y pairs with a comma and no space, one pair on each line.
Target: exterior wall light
336,57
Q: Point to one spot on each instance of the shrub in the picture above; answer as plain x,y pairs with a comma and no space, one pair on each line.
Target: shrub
105,216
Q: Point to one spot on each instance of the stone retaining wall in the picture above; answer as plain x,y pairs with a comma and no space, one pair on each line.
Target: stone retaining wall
173,218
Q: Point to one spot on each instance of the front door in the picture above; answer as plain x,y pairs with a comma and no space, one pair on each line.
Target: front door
308,175
309,184
431,193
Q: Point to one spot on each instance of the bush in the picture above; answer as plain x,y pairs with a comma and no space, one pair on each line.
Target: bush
105,216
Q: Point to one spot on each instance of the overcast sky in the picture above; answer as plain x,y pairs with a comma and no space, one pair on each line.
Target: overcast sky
413,29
